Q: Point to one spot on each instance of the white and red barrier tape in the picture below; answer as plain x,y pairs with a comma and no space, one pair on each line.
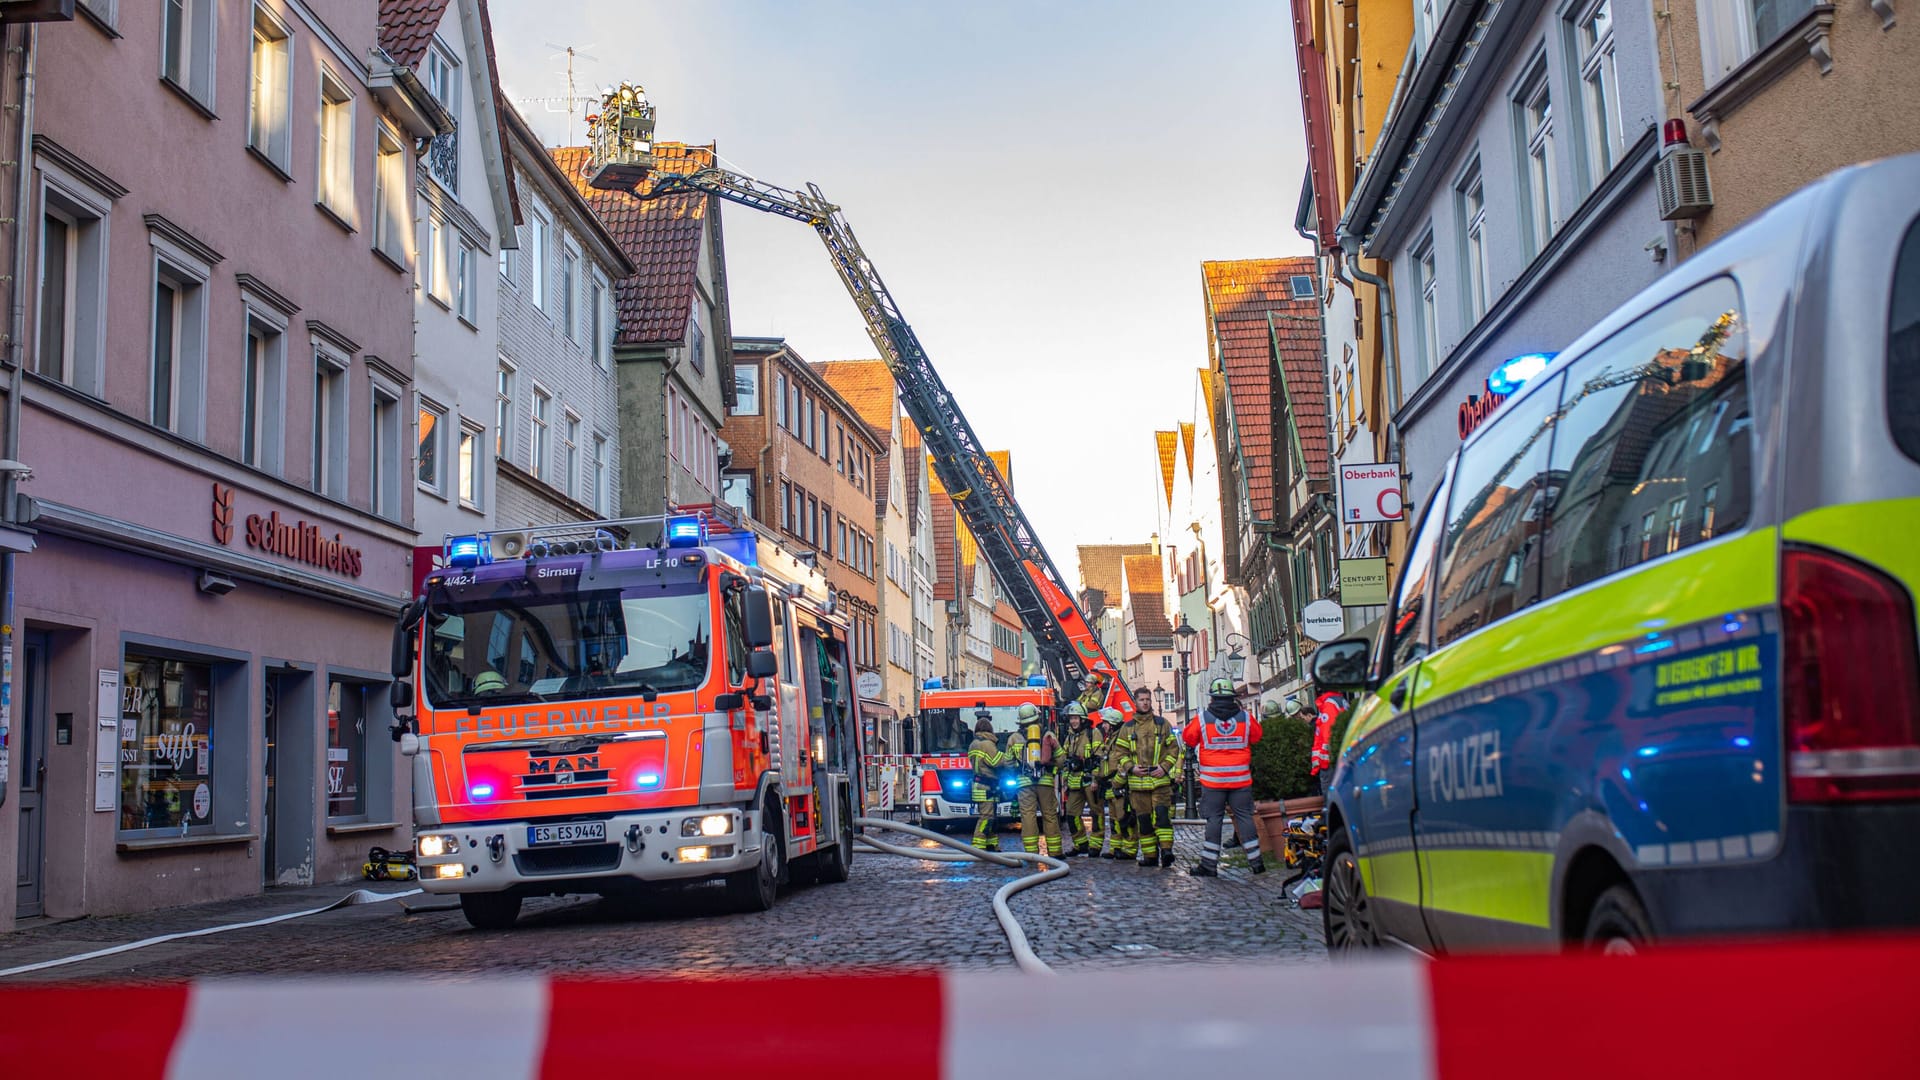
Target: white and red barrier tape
1831,1009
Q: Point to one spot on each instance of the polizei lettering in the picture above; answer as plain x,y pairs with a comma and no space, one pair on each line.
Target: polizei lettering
1466,768
573,720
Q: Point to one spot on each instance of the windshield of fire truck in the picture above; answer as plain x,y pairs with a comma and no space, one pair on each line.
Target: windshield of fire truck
950,731
522,645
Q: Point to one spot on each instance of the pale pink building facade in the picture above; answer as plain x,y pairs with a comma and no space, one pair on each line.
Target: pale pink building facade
216,418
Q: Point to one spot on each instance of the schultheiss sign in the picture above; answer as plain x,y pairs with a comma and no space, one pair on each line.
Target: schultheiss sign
295,540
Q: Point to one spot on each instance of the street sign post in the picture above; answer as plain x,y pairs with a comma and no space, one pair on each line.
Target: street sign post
1370,493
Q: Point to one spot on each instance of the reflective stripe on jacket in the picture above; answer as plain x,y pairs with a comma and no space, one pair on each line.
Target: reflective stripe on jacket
985,757
1156,746
1226,748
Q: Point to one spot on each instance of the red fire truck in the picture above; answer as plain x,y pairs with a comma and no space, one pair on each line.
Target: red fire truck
602,706
947,716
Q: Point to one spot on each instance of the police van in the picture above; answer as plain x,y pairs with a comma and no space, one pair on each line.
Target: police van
1650,670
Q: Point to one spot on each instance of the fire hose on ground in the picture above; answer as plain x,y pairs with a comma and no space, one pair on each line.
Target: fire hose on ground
1023,954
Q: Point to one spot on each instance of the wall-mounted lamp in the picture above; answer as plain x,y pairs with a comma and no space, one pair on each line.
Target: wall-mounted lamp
215,584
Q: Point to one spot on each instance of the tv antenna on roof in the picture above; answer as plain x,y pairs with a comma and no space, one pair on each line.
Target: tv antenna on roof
573,98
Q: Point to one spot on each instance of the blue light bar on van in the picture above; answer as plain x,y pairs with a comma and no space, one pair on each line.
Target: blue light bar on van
468,550
686,531
1514,374
1036,680
933,684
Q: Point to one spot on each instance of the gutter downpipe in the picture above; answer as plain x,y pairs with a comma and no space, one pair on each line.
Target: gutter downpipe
1389,337
16,385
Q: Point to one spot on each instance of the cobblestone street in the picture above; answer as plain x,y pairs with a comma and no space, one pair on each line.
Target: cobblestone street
895,912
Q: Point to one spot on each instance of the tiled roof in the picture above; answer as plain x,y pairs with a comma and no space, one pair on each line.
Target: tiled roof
1206,395
1250,303
501,107
1100,566
407,28
1144,594
661,238
1186,443
868,387
914,460
1167,443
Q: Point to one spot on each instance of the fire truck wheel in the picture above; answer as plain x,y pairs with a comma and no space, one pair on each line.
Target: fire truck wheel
755,889
490,911
835,864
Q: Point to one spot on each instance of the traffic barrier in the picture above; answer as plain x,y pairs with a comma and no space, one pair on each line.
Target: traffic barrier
1803,1009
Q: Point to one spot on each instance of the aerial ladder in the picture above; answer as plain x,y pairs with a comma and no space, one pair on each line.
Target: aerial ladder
622,137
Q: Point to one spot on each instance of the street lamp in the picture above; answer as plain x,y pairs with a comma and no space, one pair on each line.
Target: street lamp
1185,631
1237,660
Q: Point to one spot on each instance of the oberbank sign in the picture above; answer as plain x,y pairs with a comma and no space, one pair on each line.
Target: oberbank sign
1371,492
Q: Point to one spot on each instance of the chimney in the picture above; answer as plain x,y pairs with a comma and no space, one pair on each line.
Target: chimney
1156,544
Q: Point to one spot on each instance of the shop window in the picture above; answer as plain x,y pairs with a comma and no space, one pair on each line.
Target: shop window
346,749
166,745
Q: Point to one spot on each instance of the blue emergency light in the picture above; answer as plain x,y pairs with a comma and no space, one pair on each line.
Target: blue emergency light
933,684
743,546
468,550
1036,680
1514,374
686,531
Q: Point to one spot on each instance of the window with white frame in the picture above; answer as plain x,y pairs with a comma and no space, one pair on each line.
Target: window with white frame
473,458
510,265
570,453
698,351
1533,117
390,192
1471,202
385,446
1733,30
1600,88
329,421
569,278
1427,312
334,162
443,82
177,371
542,419
431,435
602,495
186,46
597,319
436,278
270,98
263,407
503,410
537,269
107,11
466,290
746,389
71,332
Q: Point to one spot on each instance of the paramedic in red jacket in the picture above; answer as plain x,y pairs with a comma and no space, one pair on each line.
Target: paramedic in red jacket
1224,735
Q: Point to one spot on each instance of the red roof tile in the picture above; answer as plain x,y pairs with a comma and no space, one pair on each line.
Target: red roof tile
1100,567
1250,304
661,238
868,387
914,457
1186,443
1150,623
1168,444
407,28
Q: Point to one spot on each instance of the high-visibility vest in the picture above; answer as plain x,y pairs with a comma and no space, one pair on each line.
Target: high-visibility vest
1226,750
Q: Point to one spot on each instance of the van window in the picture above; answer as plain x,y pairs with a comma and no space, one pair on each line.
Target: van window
1407,635
1654,449
1903,347
1490,566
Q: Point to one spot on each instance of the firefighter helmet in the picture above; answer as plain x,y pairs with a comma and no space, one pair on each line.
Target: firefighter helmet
1111,716
489,682
1221,688
1074,708
1271,711
1029,712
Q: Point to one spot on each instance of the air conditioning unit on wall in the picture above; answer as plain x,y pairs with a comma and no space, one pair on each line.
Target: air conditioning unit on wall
1685,190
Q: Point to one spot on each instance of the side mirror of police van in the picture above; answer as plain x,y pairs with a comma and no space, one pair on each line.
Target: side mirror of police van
1341,664
761,664
759,618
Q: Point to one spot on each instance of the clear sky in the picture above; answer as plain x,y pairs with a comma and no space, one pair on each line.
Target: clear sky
1038,184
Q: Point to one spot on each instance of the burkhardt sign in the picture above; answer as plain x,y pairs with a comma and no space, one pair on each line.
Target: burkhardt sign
295,540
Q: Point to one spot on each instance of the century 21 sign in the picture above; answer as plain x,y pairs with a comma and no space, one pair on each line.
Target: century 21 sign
294,540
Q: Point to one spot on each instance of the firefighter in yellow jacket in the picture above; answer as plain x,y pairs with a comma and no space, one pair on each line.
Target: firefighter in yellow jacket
985,757
1039,797
1116,752
1156,767
1081,763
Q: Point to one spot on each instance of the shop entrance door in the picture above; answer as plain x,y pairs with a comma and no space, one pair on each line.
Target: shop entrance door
269,712
30,884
